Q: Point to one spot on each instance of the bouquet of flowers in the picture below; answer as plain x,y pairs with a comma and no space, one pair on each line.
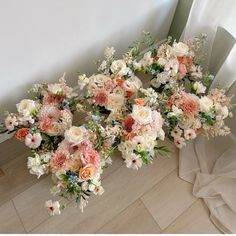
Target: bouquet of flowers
122,114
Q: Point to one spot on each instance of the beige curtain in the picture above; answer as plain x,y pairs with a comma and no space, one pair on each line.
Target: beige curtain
210,165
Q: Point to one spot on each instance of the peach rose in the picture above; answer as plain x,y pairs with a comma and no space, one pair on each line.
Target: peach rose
87,172
21,134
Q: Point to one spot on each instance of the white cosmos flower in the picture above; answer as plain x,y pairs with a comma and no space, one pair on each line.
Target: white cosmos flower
205,104
179,142
75,135
176,133
142,114
33,140
99,190
199,87
172,67
11,122
26,107
189,134
180,49
53,207
119,67
133,161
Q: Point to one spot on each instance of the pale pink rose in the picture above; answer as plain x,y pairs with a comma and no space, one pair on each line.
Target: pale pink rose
33,140
55,129
45,123
59,159
49,111
89,155
182,69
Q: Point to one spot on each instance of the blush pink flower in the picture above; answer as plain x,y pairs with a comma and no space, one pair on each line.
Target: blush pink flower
90,156
189,104
182,69
59,159
49,111
45,123
101,98
50,99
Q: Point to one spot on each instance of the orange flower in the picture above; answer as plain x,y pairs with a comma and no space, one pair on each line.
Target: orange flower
87,172
140,101
119,81
21,134
129,94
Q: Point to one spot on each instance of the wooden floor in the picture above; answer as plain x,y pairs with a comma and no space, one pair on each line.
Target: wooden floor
151,200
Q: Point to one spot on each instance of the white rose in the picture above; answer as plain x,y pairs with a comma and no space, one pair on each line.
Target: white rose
132,84
26,107
199,87
119,67
180,49
205,104
142,114
75,135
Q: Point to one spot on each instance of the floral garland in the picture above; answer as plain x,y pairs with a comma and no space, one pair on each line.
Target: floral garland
121,114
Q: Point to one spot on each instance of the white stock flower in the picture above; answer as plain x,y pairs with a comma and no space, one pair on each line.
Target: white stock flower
142,114
119,67
26,107
205,104
147,59
109,53
175,112
75,135
83,80
189,134
133,161
55,88
53,207
222,112
33,140
199,87
180,49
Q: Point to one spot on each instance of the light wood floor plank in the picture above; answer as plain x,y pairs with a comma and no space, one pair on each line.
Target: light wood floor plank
195,220
168,199
122,188
135,219
9,221
16,178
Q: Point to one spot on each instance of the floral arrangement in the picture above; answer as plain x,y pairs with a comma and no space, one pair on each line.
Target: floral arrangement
122,113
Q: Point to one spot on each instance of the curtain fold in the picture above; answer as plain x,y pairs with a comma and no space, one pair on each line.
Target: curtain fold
210,165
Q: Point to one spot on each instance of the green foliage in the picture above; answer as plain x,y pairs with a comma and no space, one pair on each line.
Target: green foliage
163,150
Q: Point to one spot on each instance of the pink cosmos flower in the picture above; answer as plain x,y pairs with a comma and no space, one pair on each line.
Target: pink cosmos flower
33,140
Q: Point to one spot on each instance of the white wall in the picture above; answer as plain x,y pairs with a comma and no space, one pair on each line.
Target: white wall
40,39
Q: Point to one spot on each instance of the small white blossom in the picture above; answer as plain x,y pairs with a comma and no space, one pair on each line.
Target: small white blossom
53,207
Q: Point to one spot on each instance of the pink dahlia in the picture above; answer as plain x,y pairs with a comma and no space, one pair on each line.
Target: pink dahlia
101,98
59,159
49,111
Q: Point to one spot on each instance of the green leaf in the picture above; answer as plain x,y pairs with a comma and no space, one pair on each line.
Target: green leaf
163,151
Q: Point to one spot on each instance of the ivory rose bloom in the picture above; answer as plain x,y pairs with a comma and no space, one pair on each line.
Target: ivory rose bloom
33,140
26,107
54,129
180,49
119,67
142,114
87,172
75,135
132,84
205,104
